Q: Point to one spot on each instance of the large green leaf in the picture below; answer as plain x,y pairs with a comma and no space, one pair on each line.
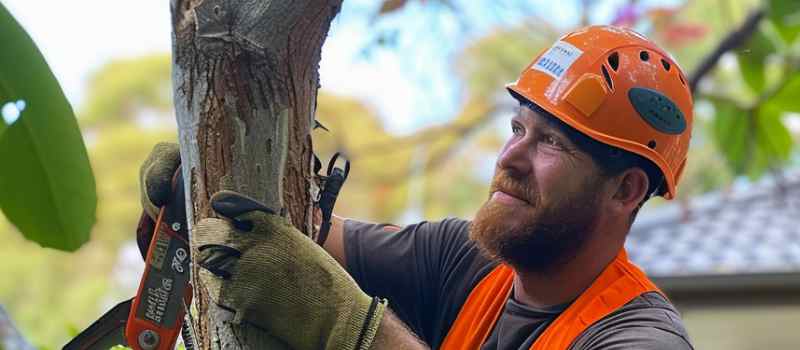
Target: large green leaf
729,130
751,142
752,59
785,14
46,185
2,126
772,134
788,98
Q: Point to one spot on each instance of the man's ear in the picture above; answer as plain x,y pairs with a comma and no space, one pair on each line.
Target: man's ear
631,188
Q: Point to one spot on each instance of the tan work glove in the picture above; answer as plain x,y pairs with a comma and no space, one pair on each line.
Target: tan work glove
269,274
155,179
266,271
155,176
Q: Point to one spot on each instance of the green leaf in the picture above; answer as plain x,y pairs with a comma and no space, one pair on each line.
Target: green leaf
787,98
772,134
3,126
729,132
773,142
752,59
46,184
785,15
751,143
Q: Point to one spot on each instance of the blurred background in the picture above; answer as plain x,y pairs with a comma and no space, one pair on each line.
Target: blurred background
413,92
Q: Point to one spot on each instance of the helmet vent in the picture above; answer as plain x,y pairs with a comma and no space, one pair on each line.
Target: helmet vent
644,55
665,64
681,78
613,61
607,77
652,144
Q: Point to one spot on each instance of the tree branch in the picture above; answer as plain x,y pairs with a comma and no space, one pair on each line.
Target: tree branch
732,41
439,156
428,135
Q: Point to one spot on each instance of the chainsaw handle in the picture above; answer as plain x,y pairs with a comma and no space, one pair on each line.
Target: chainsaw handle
157,313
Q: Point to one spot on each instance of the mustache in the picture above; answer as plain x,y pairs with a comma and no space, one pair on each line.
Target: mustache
504,182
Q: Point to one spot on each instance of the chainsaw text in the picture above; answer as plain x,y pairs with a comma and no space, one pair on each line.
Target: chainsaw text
160,251
178,259
157,299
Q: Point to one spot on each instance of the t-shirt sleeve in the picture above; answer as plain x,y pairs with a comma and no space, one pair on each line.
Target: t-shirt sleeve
640,338
649,322
405,265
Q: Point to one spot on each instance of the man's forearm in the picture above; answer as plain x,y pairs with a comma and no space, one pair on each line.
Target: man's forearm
394,334
334,245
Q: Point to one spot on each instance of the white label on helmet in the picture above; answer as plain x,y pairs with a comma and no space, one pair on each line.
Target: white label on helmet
557,59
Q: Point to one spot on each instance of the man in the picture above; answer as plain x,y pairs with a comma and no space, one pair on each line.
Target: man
604,123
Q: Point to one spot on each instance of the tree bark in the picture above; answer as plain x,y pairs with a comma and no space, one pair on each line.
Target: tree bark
245,80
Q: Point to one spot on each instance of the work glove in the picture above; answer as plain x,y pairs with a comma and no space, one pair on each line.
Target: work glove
155,177
155,189
268,273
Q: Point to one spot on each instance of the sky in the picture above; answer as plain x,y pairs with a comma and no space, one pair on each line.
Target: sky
410,84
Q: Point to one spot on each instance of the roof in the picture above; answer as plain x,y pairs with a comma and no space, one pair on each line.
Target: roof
752,229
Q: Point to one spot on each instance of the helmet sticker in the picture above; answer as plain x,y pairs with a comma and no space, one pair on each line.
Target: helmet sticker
557,60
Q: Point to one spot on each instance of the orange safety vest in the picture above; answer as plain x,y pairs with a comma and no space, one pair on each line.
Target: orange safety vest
619,283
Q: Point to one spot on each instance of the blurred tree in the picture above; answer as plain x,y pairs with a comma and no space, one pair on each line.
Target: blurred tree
120,90
752,97
354,127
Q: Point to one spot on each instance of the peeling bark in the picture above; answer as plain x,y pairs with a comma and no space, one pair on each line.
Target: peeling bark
245,76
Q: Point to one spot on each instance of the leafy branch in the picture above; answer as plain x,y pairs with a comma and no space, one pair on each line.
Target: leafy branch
731,41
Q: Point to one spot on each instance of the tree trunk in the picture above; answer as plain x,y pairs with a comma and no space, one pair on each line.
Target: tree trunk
245,79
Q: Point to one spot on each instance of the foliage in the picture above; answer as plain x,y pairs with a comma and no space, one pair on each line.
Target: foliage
353,129
784,16
750,103
139,83
46,188
496,59
751,59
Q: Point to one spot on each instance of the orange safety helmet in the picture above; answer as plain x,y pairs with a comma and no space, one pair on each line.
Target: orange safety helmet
619,88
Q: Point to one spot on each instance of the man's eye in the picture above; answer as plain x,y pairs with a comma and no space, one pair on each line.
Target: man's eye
516,129
551,140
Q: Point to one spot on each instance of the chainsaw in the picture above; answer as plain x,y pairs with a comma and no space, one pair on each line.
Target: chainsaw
153,318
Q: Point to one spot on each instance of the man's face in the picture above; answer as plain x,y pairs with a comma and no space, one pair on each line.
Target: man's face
543,203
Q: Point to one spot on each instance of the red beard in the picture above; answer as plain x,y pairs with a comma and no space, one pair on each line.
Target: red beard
534,236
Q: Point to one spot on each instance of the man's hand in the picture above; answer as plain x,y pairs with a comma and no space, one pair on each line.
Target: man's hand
319,304
155,176
267,273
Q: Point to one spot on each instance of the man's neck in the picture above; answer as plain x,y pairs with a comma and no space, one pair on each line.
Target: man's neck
565,283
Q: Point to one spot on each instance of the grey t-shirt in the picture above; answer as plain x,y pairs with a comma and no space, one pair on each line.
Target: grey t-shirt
427,271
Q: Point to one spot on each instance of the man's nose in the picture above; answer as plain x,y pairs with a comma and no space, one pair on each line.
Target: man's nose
515,157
